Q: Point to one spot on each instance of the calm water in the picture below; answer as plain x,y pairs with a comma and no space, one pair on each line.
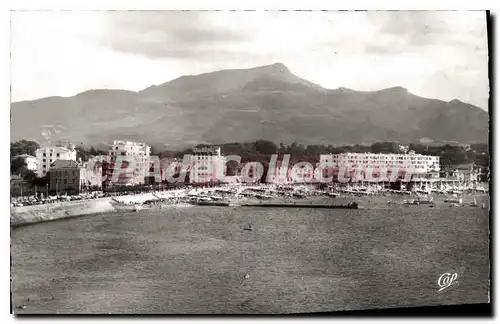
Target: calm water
194,260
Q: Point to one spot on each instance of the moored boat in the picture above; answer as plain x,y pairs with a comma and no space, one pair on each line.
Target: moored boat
425,200
474,203
454,199
212,203
124,206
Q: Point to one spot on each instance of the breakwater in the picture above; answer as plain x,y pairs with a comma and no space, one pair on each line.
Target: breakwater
47,212
59,210
310,205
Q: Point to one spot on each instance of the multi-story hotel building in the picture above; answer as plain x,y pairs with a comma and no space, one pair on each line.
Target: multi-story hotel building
129,162
411,162
45,156
205,163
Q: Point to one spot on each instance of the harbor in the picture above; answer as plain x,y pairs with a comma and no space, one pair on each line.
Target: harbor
194,259
276,196
302,196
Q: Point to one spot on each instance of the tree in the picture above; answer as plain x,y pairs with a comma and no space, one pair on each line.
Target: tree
282,148
265,147
93,151
40,181
23,147
296,149
26,174
384,147
81,153
16,164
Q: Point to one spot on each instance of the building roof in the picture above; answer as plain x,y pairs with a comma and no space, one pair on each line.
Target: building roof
64,164
61,148
24,156
464,166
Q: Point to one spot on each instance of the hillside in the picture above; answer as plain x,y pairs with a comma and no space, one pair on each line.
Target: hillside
267,102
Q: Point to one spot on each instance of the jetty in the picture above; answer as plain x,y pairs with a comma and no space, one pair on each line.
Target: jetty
294,205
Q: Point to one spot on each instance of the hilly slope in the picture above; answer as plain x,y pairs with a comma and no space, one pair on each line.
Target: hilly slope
267,102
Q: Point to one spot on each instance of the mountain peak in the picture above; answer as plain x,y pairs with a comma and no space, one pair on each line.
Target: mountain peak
344,89
275,67
396,89
279,65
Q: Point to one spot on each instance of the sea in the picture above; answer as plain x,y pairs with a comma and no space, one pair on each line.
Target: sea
251,260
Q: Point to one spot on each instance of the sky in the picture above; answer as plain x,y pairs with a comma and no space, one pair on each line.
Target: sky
432,54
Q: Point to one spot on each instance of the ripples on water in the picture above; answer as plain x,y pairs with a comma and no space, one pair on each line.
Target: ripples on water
194,260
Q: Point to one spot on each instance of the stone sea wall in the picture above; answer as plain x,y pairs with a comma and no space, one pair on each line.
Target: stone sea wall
41,213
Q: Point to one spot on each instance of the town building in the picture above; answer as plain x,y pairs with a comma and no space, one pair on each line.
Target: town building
19,186
465,173
205,163
371,162
96,170
46,156
170,169
129,162
31,161
67,176
93,174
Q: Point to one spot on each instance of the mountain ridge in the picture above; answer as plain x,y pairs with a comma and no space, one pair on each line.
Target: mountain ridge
268,102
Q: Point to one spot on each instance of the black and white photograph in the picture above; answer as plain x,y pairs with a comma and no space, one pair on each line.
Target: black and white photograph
237,162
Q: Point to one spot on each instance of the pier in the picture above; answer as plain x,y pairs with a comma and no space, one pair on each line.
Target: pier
293,205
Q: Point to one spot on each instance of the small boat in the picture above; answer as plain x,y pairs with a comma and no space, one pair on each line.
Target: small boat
203,202
123,206
425,200
453,199
474,203
234,203
419,201
263,197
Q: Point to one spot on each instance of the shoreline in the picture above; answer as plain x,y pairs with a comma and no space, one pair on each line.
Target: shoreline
34,214
19,225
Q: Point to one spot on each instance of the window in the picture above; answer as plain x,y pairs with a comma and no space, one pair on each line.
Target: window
65,181
50,154
43,160
57,154
44,166
44,154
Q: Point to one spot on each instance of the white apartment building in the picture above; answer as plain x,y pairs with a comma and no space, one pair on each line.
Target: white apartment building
416,163
127,154
205,162
45,156
31,161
